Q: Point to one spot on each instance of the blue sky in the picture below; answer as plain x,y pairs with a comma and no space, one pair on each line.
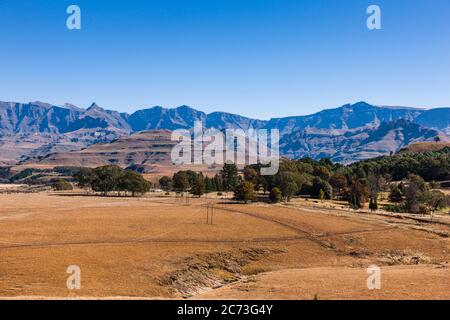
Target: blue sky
260,58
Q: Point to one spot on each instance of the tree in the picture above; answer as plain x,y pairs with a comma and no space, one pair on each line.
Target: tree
414,193
275,195
106,178
435,200
339,183
133,182
373,185
322,172
395,194
245,191
288,183
180,181
356,193
383,184
320,184
198,186
210,186
373,204
252,175
321,195
61,185
437,139
84,177
166,183
230,176
218,182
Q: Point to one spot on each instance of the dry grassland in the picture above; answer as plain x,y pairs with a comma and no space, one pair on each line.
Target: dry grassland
159,247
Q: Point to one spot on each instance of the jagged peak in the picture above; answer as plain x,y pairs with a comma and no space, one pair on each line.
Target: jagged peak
94,106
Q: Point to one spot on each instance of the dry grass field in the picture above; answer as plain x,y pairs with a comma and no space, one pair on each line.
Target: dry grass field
161,247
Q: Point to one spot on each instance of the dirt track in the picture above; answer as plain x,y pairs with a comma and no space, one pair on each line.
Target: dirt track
130,247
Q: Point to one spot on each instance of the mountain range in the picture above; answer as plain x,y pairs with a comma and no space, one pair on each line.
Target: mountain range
347,133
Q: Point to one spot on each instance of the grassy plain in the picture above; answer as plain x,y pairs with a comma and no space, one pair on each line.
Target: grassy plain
161,247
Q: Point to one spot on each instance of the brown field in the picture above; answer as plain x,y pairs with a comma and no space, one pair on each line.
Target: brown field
161,247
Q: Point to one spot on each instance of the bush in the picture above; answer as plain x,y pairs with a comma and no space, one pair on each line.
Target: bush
373,204
61,185
395,195
321,185
396,208
245,191
424,209
275,195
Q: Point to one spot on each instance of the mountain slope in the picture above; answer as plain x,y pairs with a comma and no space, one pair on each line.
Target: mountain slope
356,144
352,131
438,118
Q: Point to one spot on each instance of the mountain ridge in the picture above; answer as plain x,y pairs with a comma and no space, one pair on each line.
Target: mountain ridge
38,128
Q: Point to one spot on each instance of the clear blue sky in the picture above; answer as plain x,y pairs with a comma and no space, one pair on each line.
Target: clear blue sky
260,58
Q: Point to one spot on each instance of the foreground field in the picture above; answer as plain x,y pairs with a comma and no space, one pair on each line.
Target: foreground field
156,247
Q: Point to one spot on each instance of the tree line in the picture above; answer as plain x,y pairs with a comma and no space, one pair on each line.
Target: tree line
112,178
362,183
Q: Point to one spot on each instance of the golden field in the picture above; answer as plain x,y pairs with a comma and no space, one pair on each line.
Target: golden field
160,247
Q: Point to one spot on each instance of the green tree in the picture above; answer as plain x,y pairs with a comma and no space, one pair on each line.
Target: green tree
320,184
198,186
133,182
414,193
275,195
321,195
230,176
85,177
395,195
106,179
166,183
288,183
245,191
435,200
373,204
180,181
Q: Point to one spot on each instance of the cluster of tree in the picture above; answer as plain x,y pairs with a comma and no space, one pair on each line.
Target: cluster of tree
357,184
61,185
416,196
432,165
111,178
198,184
310,178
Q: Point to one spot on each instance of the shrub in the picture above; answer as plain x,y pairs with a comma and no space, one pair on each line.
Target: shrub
396,194
373,205
275,195
61,185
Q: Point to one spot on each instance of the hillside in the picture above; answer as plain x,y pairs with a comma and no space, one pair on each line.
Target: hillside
424,147
148,152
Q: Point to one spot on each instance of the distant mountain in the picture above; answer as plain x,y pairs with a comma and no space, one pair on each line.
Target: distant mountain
438,118
352,131
38,117
357,144
349,116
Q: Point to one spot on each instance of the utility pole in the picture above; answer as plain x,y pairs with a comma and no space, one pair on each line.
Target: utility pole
209,213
